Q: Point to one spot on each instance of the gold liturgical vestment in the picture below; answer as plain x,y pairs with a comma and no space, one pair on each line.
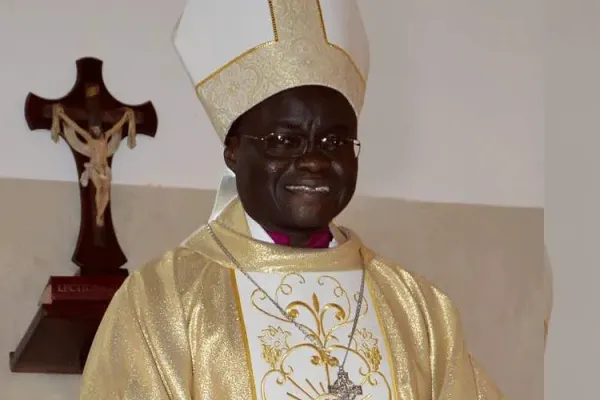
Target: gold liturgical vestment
189,326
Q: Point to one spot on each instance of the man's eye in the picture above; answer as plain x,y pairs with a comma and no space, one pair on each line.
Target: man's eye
283,139
332,141
288,140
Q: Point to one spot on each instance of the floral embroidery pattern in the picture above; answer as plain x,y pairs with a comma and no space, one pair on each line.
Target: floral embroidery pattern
325,321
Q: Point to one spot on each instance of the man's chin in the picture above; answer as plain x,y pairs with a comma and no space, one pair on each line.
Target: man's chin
307,215
306,221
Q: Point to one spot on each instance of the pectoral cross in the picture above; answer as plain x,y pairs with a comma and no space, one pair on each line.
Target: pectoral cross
92,112
344,388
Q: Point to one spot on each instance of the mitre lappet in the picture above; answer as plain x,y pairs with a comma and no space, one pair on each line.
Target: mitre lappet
240,52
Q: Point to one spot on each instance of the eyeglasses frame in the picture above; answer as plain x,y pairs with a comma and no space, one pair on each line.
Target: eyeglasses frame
262,139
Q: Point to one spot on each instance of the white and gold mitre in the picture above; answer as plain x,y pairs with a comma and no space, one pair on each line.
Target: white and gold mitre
240,52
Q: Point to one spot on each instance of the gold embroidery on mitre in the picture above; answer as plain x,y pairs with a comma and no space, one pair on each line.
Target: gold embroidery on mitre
324,322
300,54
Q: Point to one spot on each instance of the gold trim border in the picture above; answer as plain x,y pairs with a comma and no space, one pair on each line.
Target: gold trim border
244,333
322,20
384,333
273,20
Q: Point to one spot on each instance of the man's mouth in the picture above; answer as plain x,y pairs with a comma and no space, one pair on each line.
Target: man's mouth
308,189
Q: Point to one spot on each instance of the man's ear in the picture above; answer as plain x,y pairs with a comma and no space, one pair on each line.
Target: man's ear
230,152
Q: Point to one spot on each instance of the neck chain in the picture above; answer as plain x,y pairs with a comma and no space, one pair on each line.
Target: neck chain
343,387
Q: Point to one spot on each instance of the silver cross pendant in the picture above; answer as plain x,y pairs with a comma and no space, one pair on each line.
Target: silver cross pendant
344,388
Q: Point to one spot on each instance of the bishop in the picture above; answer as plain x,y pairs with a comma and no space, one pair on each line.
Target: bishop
271,299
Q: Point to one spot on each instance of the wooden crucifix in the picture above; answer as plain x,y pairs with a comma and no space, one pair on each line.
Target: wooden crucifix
93,123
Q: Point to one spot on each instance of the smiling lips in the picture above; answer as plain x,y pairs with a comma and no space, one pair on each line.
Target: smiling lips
309,189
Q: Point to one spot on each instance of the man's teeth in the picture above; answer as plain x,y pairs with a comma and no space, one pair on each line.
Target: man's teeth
308,189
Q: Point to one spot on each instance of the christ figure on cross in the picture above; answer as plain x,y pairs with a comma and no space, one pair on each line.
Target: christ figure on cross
98,146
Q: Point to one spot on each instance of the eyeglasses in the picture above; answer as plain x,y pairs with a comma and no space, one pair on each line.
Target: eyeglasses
292,145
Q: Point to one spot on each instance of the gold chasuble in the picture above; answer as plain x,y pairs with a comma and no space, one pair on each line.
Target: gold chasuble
189,325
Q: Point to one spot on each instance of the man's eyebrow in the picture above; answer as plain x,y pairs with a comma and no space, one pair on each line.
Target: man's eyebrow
289,123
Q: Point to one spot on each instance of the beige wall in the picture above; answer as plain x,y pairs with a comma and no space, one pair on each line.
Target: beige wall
488,259
572,215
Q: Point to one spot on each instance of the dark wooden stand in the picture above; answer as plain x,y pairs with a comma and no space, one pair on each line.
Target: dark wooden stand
71,308
62,331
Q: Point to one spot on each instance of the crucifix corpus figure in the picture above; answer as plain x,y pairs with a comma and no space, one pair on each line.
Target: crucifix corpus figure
93,123
97,145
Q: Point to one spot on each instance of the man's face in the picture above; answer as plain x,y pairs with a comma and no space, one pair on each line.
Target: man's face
280,186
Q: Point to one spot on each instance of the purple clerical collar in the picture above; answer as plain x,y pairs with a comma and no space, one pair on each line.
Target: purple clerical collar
318,240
